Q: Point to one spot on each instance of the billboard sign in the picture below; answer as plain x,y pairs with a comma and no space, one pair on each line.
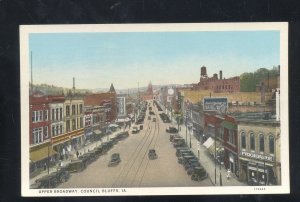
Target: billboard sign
219,104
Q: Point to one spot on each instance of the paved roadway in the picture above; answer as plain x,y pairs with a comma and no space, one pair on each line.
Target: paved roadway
135,169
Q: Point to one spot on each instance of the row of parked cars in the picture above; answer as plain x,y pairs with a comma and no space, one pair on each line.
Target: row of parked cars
187,158
157,105
165,118
63,173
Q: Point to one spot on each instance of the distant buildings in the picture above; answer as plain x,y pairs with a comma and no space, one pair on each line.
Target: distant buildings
216,84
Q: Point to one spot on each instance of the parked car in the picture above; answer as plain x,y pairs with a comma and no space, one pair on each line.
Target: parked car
193,169
48,181
76,166
180,150
178,142
173,136
184,152
114,160
199,174
191,163
135,130
152,154
183,159
172,130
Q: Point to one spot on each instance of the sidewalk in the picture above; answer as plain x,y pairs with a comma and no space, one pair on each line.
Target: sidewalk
82,150
207,161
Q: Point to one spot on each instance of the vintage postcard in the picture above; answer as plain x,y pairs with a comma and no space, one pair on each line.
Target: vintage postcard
154,109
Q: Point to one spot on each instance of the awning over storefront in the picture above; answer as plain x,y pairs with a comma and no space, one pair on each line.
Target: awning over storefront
229,125
208,142
123,120
97,132
41,153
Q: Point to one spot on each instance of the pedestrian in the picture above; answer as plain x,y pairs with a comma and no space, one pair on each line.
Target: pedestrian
45,166
228,174
77,154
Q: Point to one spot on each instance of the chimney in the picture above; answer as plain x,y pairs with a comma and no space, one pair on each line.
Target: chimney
221,75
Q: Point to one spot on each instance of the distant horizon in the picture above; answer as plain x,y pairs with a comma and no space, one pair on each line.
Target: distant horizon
127,58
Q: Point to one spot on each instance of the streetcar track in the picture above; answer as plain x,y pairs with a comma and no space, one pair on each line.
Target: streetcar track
134,155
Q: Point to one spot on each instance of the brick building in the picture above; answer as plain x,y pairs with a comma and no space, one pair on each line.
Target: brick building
217,85
107,100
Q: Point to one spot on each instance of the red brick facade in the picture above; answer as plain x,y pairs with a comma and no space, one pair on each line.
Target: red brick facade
104,99
39,119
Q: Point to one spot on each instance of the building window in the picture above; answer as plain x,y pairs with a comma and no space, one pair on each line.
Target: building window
231,137
60,113
271,144
80,108
56,115
46,131
33,116
41,115
46,115
57,130
73,109
68,125
81,122
53,131
252,141
77,109
243,140
61,129
261,143
68,110
52,115
221,135
211,130
37,134
73,124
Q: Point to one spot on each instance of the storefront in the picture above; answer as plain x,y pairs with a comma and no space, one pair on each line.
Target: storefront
256,171
40,156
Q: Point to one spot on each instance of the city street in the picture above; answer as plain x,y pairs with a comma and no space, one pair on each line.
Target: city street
135,168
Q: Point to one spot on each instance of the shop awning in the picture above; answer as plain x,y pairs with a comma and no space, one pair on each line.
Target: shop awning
113,125
208,142
41,153
97,132
229,125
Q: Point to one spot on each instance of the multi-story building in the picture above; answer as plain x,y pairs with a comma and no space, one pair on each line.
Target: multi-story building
212,131
39,132
230,143
73,132
94,122
259,151
107,100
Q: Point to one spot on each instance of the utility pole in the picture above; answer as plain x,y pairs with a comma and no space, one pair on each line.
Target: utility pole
215,159
31,86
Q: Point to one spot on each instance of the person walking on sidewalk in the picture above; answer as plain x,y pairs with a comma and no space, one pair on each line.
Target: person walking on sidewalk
77,153
228,174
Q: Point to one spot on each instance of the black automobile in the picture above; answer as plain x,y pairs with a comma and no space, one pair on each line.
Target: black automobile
180,150
191,163
199,174
172,130
180,153
152,154
114,160
173,136
193,169
184,159
48,182
63,174
76,166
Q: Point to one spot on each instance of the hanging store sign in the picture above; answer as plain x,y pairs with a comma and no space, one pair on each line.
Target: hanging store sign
257,156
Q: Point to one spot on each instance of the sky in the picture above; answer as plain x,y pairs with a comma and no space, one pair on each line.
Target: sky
127,58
